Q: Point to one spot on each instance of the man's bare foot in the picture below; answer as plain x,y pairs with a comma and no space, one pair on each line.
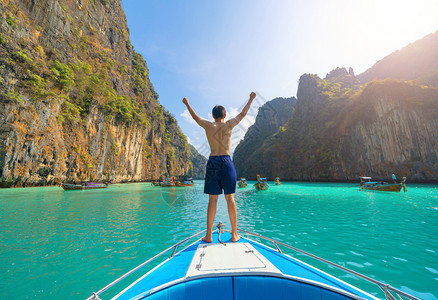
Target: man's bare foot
207,239
235,238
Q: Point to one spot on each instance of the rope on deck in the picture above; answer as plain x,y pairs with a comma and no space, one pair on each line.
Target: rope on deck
220,229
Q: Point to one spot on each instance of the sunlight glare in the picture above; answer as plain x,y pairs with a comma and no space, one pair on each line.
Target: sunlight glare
399,14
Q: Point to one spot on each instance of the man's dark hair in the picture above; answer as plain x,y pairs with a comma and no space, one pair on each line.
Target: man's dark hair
218,112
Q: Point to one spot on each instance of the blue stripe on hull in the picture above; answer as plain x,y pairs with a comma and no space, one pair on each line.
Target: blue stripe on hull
170,270
244,288
239,286
208,288
296,268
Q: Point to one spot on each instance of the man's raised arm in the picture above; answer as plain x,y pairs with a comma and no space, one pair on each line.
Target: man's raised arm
244,111
195,117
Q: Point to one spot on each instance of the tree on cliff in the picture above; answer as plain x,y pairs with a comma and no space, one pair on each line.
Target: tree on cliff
78,98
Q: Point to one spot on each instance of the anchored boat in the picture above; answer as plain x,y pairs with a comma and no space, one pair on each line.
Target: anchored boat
242,183
84,186
262,184
242,270
186,182
367,184
168,182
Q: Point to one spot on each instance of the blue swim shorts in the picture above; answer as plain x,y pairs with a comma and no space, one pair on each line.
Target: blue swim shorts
220,175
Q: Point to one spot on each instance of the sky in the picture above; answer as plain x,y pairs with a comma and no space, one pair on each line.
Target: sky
217,52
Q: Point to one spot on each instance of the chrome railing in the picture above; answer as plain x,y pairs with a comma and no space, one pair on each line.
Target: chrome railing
386,288
95,295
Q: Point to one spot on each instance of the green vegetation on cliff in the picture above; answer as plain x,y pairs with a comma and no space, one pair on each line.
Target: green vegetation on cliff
271,117
340,130
79,99
199,163
417,61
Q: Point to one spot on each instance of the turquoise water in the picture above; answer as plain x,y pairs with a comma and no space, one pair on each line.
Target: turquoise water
66,245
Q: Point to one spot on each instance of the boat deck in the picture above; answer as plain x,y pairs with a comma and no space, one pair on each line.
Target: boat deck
242,270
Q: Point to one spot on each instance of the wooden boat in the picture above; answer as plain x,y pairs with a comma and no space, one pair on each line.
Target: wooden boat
187,182
262,184
244,270
155,183
242,183
367,184
168,182
277,181
84,186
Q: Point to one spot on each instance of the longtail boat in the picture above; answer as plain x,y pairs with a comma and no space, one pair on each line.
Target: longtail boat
277,181
168,182
242,183
186,182
84,186
367,184
246,269
262,184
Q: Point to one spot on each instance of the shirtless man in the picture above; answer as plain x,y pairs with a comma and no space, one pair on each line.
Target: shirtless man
221,174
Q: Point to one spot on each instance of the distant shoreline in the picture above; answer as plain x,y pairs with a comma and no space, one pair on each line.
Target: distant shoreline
431,181
282,180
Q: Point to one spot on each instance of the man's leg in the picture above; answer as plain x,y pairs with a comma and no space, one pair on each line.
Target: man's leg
211,212
232,212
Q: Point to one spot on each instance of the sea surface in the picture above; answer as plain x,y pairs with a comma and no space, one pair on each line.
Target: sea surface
58,244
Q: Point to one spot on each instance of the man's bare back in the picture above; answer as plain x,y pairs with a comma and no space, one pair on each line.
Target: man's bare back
219,132
219,136
220,172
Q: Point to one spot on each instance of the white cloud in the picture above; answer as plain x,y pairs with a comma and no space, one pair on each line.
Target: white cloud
246,122
197,136
240,130
232,112
187,117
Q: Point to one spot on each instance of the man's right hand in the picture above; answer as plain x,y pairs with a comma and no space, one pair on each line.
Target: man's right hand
186,101
252,96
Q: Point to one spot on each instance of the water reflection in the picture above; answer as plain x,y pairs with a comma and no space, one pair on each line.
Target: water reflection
98,235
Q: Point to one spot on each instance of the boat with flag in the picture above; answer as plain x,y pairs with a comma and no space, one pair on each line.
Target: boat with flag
83,186
262,184
168,182
246,269
242,183
366,183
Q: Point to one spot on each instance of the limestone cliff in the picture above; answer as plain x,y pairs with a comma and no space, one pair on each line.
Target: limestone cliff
417,61
77,103
340,130
199,163
391,127
270,117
